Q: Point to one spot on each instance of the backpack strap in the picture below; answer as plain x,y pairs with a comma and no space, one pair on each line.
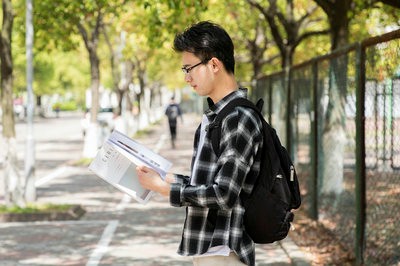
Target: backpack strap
275,153
214,129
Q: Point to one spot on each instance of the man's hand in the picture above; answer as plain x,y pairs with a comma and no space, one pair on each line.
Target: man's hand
151,180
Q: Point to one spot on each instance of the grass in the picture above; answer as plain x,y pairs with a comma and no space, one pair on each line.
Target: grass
82,162
142,132
31,208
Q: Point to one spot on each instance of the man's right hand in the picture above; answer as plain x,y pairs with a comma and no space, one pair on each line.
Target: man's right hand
151,180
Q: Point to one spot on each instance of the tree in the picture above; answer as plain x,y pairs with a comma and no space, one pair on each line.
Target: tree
150,27
339,13
334,136
84,18
13,181
121,70
289,27
254,48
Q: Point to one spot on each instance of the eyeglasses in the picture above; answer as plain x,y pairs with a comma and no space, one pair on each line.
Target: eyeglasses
187,70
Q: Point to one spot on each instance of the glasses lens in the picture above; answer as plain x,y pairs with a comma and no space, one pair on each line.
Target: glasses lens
186,70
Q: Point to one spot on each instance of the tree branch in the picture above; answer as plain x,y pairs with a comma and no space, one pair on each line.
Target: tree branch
393,3
269,16
84,34
326,5
309,34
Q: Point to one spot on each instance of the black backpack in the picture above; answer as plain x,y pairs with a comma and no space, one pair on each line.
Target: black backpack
276,192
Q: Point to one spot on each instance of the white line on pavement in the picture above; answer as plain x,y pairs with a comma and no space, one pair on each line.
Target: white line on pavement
160,143
124,201
51,176
102,246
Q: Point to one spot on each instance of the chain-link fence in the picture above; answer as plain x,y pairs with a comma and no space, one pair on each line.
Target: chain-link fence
339,114
382,145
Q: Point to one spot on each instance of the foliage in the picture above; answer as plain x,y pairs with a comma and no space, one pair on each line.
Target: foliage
63,25
150,26
35,208
56,22
234,17
65,106
382,60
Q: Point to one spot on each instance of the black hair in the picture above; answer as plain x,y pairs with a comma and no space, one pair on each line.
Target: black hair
206,40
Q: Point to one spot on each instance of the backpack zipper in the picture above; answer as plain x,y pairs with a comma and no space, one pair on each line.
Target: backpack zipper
292,173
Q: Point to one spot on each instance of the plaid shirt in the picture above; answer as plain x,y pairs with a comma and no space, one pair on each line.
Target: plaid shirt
214,213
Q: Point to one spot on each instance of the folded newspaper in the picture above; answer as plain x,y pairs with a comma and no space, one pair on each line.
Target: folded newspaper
116,163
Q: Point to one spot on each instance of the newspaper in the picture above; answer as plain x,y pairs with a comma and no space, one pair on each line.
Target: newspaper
116,163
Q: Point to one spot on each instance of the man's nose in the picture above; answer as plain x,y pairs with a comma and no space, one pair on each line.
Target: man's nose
188,78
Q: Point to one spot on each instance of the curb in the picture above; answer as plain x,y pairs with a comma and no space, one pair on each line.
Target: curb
297,257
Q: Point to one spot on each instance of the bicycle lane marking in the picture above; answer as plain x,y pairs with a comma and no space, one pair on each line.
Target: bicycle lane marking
108,233
102,246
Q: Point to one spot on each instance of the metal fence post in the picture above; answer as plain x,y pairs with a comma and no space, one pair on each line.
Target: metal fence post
314,142
360,156
270,82
289,111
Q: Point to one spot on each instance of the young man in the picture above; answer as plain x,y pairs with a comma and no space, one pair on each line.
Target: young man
213,231
173,111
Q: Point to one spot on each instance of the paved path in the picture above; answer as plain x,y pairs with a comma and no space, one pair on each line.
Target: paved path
116,230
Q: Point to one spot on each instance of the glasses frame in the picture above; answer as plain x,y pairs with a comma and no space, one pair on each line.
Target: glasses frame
186,70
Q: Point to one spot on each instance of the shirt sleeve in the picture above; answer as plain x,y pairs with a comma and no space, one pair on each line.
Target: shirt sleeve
241,137
176,187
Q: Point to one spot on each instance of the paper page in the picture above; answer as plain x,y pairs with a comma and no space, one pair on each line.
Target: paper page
140,154
116,163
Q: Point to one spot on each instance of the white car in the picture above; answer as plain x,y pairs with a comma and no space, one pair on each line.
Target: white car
105,118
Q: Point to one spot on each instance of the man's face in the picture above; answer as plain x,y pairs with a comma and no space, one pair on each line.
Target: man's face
199,77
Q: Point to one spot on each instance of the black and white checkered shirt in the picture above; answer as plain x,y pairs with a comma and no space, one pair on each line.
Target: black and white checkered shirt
214,213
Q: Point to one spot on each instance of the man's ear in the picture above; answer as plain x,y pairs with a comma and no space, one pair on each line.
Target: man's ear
216,64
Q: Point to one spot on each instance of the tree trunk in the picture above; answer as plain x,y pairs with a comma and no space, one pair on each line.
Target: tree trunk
142,85
39,107
13,183
334,137
285,108
92,140
115,63
94,83
7,71
92,137
127,78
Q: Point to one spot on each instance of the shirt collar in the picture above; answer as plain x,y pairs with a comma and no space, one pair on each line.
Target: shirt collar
215,108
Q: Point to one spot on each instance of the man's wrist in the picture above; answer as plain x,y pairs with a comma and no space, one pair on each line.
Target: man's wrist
166,190
170,178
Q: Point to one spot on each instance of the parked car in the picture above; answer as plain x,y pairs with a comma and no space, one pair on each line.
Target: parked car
105,118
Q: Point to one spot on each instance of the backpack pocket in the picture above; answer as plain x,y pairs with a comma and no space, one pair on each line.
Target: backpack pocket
267,218
280,188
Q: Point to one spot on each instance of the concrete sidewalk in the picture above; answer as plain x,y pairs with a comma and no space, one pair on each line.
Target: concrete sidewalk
116,230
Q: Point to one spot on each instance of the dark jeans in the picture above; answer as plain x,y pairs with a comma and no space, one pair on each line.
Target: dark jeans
172,130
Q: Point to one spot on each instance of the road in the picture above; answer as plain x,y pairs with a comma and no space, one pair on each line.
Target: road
52,136
57,141
115,230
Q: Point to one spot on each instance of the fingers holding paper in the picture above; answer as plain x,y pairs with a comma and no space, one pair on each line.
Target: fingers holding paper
150,179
